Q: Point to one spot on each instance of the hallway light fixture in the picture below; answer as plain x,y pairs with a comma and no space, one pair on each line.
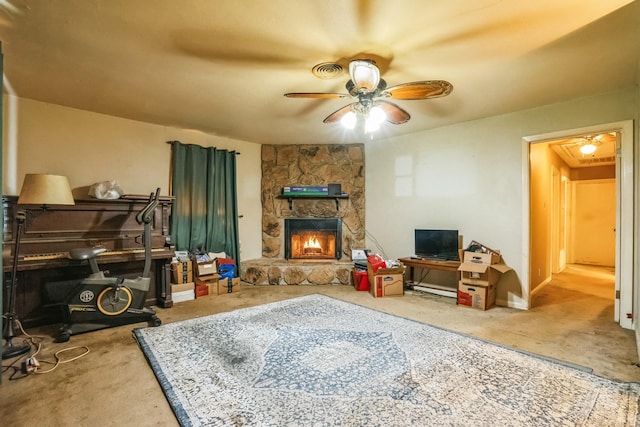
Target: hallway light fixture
588,148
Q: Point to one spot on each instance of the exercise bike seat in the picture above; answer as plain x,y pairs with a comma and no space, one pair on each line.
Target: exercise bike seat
85,253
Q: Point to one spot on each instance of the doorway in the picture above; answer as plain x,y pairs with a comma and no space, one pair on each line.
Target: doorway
580,206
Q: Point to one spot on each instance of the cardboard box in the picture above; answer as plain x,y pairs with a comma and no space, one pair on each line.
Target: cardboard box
382,271
481,258
385,282
481,269
183,292
182,287
476,296
181,272
387,285
202,289
211,282
206,268
359,255
482,274
223,286
183,296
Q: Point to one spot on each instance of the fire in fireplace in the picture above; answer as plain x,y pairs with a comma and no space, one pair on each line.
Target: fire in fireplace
312,238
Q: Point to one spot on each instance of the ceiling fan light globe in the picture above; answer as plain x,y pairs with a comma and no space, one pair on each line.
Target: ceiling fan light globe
349,120
371,125
378,115
588,149
365,75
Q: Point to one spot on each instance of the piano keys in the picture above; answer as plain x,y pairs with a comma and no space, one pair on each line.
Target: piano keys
49,233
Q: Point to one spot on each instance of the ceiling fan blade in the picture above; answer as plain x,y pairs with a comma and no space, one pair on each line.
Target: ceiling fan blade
316,95
419,90
395,114
338,114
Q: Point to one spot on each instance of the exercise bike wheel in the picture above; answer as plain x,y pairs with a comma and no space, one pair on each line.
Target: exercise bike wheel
112,302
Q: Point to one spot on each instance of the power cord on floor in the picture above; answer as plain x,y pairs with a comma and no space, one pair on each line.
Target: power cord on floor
31,365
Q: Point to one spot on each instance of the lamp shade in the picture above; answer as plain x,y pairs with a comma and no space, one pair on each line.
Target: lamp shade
43,189
365,75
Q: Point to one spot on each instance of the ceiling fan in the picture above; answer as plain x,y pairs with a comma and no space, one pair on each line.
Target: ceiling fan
588,144
371,93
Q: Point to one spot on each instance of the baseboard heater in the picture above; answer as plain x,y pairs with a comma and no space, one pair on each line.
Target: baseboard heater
436,291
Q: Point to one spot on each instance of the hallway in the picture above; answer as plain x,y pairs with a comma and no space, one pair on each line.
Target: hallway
578,279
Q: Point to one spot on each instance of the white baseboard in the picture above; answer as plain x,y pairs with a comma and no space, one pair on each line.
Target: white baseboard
512,304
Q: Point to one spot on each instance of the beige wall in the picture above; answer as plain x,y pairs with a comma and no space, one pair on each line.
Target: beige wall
469,176
89,148
473,177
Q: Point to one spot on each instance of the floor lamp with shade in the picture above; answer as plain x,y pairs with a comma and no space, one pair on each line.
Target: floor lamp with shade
42,190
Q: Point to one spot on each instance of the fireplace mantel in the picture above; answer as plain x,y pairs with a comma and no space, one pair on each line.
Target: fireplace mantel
291,198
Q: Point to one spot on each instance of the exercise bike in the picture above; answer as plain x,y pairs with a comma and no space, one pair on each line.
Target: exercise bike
100,302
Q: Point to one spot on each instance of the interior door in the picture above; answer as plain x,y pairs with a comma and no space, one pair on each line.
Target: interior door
624,308
555,220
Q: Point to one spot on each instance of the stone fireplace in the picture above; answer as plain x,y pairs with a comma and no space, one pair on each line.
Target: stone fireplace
284,258
312,238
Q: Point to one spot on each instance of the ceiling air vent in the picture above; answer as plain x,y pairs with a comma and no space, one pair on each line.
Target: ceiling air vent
595,160
328,70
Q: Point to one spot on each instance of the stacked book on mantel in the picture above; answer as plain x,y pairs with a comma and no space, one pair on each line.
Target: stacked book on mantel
313,190
306,190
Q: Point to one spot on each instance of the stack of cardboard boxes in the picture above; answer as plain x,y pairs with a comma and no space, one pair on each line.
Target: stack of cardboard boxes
479,275
197,276
209,277
206,275
182,284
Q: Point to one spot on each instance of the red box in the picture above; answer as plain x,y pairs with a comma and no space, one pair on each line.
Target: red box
202,289
464,298
361,280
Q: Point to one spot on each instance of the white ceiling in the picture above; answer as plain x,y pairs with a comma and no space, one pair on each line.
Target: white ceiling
223,66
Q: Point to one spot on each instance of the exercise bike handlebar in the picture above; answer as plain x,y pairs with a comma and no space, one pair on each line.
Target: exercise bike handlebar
144,217
146,214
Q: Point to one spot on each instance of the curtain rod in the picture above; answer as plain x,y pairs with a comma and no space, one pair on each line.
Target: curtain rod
236,152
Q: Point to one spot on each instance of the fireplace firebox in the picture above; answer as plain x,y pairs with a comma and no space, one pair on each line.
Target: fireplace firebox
312,238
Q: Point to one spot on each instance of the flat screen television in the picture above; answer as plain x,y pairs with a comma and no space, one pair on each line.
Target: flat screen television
437,244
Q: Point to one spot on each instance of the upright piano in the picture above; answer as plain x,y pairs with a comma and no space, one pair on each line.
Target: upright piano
50,232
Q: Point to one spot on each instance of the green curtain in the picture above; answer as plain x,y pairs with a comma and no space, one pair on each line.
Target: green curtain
205,211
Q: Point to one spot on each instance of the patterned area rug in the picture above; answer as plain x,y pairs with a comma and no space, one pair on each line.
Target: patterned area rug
318,361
